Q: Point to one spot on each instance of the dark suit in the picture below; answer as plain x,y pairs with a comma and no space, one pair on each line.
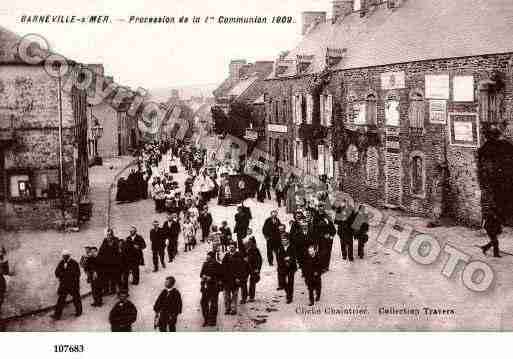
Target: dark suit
241,224
109,257
158,244
312,271
3,289
171,230
168,306
324,229
122,316
132,258
205,221
254,262
271,231
211,277
287,267
68,274
234,271
344,219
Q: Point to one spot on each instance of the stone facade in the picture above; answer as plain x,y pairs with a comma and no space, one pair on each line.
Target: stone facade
413,157
31,162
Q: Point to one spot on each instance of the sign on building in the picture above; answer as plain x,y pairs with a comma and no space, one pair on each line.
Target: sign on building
392,80
463,89
438,111
437,86
464,129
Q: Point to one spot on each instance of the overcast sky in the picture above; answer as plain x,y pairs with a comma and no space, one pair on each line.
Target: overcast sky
162,55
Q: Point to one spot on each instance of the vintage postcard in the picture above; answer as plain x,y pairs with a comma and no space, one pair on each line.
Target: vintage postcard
293,166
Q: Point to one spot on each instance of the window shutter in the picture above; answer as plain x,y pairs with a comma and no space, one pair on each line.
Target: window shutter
294,112
322,109
300,109
329,111
309,107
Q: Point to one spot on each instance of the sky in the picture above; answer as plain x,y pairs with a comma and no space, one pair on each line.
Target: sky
164,55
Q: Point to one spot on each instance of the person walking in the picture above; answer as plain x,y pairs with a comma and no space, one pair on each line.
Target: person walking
271,232
211,283
110,261
168,306
233,272
493,227
324,228
68,274
171,231
242,220
158,245
92,268
344,218
254,261
226,234
132,249
312,271
205,221
123,314
287,267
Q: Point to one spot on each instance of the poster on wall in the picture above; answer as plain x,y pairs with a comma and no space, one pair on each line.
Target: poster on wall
437,87
464,129
438,111
392,80
463,89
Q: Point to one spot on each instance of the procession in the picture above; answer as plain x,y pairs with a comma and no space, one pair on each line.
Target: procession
232,258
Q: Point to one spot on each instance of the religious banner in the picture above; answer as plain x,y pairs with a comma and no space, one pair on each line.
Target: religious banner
464,129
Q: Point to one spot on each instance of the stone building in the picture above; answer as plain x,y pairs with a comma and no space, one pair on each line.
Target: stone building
43,144
394,100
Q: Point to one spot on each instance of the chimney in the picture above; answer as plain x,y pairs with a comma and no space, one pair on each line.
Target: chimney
341,8
311,18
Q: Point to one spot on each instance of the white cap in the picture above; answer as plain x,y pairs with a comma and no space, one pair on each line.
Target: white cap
66,252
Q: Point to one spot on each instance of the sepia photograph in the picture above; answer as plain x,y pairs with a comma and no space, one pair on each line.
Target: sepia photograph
263,166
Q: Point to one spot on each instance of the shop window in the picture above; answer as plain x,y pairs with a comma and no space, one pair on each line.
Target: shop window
417,110
417,173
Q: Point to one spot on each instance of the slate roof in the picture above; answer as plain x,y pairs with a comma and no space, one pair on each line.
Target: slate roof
417,30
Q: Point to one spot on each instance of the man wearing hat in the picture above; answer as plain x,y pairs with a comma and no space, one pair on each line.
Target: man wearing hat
123,314
158,245
68,274
168,306
92,268
211,282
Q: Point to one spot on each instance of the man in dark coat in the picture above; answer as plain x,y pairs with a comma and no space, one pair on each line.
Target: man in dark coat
110,260
493,227
254,263
205,221
271,231
158,245
234,270
168,306
123,314
324,229
312,271
287,267
300,239
3,290
344,219
68,274
241,222
132,251
211,283
171,230
92,268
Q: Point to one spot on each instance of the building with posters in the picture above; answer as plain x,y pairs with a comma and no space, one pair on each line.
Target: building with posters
394,100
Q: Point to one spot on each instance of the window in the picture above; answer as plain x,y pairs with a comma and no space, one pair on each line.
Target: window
276,112
417,110
320,160
371,110
463,88
417,173
20,187
270,150
303,109
285,151
285,111
326,102
359,113
309,109
392,112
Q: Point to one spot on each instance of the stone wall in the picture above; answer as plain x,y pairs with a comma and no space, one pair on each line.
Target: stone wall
462,199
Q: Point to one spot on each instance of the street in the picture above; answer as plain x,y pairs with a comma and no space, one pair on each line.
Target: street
368,294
